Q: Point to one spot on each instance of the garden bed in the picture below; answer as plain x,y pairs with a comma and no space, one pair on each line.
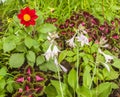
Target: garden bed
59,48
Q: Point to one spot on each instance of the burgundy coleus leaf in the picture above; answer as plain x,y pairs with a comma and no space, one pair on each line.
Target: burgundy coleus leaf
63,32
102,27
27,86
29,93
80,22
72,24
39,78
29,78
17,94
38,88
53,20
20,90
95,21
28,70
62,26
115,36
86,14
19,79
48,20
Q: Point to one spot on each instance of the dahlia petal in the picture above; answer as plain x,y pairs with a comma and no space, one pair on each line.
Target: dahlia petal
32,12
34,17
27,9
27,24
20,16
22,11
32,22
22,22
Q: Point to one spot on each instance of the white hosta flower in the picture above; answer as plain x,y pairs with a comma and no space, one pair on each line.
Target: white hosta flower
51,53
71,42
48,54
108,58
105,46
57,64
53,35
103,42
55,51
63,68
83,39
106,66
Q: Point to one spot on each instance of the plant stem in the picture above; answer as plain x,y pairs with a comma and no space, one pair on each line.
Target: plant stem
77,65
61,89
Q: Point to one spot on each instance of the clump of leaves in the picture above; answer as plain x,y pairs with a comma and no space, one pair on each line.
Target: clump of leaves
31,83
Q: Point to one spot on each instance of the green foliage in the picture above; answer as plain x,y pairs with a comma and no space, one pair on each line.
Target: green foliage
51,91
72,79
40,60
116,63
20,44
16,60
104,89
45,28
84,92
87,80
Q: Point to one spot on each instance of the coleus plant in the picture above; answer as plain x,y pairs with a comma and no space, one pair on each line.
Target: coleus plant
94,29
32,83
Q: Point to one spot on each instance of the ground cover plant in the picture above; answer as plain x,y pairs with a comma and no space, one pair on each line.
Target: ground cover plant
59,48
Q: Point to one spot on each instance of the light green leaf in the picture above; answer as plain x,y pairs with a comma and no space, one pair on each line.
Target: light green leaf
62,56
9,45
40,60
9,88
72,79
29,42
110,75
116,63
87,80
50,91
2,84
16,60
3,71
31,56
104,89
56,84
45,28
83,92
70,53
94,48
48,66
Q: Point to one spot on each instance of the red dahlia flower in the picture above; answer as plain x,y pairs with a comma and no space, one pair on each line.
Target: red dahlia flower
27,16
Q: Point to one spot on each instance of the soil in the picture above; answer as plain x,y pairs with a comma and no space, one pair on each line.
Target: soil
116,93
